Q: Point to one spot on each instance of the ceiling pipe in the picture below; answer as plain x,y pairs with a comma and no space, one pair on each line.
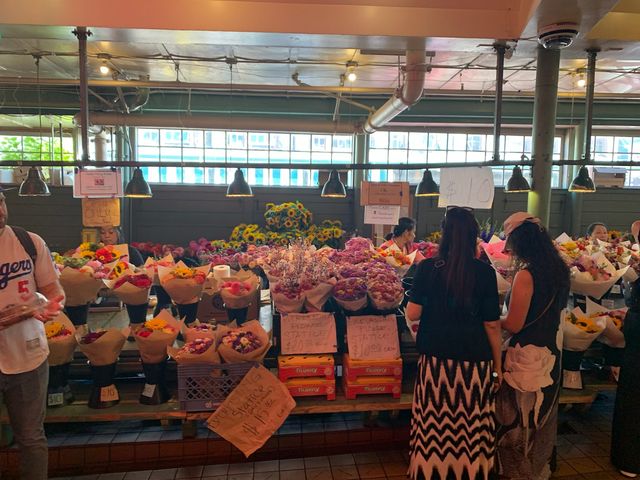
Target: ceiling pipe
406,96
218,122
82,34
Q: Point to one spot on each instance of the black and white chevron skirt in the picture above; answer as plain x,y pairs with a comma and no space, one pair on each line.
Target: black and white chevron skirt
453,422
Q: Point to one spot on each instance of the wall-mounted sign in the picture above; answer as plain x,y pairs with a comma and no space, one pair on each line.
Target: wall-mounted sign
381,214
466,187
97,183
100,212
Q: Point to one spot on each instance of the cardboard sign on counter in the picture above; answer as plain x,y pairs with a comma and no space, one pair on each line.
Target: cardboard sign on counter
381,214
253,412
100,212
373,337
308,333
384,193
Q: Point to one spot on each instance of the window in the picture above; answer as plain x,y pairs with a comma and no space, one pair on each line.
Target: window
451,147
619,148
310,151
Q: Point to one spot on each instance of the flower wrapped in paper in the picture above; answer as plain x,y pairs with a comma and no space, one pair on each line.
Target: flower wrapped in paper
579,331
495,253
612,335
80,277
151,265
200,350
351,293
386,296
398,260
101,347
199,329
155,335
128,284
238,290
249,342
184,284
61,340
319,278
593,275
287,295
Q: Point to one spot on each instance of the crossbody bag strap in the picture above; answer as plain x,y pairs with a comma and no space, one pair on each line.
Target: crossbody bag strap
27,243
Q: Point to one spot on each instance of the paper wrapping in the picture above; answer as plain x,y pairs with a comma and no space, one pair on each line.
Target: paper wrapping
209,356
576,339
61,348
128,293
229,355
106,349
191,333
494,253
153,349
401,270
79,287
239,301
253,411
151,266
285,304
316,297
182,291
611,336
382,305
353,305
583,284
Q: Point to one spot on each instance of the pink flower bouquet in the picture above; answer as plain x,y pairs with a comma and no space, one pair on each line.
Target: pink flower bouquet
183,284
129,285
594,275
287,296
249,342
61,339
151,266
80,277
386,296
200,350
199,329
101,347
155,335
351,293
238,291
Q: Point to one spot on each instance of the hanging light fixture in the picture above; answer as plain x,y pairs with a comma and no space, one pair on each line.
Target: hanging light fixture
427,186
351,71
239,187
33,185
334,188
583,182
517,182
138,186
581,82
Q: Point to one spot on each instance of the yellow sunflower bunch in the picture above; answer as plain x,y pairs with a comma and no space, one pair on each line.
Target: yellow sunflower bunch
287,216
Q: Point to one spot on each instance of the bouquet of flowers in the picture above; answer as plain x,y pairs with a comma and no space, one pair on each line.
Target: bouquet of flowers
351,293
495,253
184,284
319,276
155,335
428,249
398,260
200,350
594,275
101,347
612,335
151,265
287,295
386,296
570,249
129,286
287,216
61,339
579,332
249,342
199,330
238,291
80,277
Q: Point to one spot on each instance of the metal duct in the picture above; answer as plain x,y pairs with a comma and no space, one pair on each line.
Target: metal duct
406,96
219,122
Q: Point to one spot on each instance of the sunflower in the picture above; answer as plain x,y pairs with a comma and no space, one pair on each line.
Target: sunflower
288,223
52,329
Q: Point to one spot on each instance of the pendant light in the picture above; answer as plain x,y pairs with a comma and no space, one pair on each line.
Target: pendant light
334,188
239,187
427,186
138,186
33,185
517,182
583,182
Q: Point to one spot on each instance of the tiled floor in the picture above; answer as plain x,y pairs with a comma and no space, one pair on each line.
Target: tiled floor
583,453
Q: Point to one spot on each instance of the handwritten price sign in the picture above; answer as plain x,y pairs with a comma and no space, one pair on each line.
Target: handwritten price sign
303,333
466,187
373,337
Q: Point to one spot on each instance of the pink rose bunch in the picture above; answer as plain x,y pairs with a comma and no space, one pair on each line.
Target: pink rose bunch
587,264
197,346
237,288
349,289
383,292
241,341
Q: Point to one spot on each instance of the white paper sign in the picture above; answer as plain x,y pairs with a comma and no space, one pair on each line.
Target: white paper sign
466,187
98,183
373,337
308,333
381,214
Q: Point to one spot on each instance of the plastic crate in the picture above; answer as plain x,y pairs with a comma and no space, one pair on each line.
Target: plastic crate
203,387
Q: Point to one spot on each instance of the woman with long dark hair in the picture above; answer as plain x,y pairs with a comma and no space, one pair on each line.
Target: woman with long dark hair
527,402
455,298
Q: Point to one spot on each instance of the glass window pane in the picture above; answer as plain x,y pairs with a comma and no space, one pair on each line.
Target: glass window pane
193,175
378,155
170,138
258,140
170,154
623,144
279,157
456,157
417,156
341,157
342,143
557,145
398,140
397,156
258,176
476,156
147,136
151,174
300,142
216,176
321,143
236,139
300,157
258,156
476,143
148,154
214,139
320,158
634,177
457,141
170,175
236,156
514,143
192,138
437,141
279,141
414,176
279,177
215,155
193,155
436,157
636,144
379,140
604,144
557,141
418,140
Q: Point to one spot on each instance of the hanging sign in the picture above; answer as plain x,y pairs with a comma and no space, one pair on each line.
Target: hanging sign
384,193
381,214
308,333
97,183
373,337
466,187
100,212
253,411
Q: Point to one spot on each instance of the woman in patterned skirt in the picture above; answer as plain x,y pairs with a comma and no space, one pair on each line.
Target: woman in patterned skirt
455,298
527,402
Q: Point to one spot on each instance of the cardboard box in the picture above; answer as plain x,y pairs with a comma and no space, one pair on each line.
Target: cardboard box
296,366
371,386
211,306
385,193
305,387
355,369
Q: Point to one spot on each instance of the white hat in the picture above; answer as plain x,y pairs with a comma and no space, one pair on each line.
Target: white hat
517,219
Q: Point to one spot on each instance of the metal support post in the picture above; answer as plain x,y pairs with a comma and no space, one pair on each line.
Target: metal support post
544,124
588,102
82,34
497,112
360,158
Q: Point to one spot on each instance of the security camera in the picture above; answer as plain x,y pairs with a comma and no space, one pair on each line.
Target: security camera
557,35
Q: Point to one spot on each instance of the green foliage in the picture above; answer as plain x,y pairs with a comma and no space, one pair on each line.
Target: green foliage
32,148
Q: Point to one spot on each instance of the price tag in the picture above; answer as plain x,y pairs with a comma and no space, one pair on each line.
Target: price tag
148,390
55,399
616,289
109,394
466,187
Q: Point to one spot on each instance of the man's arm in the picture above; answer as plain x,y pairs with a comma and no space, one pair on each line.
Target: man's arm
55,294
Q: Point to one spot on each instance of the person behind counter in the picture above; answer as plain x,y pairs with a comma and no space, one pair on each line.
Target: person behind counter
402,235
598,231
114,236
527,402
455,298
